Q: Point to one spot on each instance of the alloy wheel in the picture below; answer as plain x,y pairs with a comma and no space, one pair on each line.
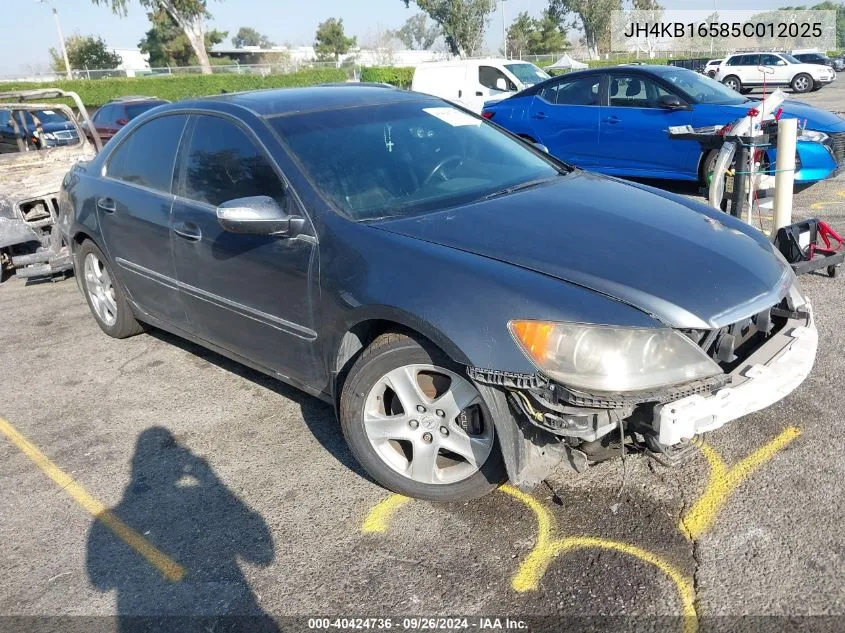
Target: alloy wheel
100,289
802,84
426,423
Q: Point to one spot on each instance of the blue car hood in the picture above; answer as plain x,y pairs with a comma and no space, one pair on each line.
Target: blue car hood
686,264
816,118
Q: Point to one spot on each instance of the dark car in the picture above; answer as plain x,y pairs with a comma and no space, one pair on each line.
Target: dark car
42,128
111,117
822,60
472,307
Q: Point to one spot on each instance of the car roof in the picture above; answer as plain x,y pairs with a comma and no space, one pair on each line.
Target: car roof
283,101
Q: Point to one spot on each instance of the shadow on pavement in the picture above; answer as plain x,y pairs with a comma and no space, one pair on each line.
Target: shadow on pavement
179,505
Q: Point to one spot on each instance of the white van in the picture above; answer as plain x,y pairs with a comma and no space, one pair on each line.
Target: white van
471,82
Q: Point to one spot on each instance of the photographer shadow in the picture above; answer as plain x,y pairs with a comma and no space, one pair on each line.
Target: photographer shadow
179,505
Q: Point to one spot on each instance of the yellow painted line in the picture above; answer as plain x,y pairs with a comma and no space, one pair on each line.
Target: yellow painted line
723,481
378,519
546,549
169,568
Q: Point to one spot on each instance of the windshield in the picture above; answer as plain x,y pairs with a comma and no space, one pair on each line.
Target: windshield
789,58
47,116
700,88
528,74
405,159
134,109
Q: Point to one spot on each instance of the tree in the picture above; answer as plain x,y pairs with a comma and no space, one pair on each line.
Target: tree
168,45
646,11
592,17
189,16
462,22
248,36
85,51
417,33
331,40
533,36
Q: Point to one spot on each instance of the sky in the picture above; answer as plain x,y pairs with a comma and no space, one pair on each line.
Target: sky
24,49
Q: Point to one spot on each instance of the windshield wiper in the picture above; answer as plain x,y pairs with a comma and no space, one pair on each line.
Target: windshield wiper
513,189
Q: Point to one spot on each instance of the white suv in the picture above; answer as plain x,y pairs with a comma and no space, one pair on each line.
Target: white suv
744,71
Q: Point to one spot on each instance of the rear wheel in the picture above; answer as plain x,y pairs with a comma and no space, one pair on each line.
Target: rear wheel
104,295
802,82
733,82
417,424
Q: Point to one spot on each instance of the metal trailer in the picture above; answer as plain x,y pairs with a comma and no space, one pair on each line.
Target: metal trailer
32,166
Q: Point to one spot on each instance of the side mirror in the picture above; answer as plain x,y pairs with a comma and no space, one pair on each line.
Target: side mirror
501,84
541,147
671,102
257,215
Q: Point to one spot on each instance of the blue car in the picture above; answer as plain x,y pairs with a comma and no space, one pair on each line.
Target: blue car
615,120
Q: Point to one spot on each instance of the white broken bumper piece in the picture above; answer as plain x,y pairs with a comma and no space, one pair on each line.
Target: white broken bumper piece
768,375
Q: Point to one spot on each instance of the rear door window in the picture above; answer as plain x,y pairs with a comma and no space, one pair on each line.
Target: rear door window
148,155
577,91
224,163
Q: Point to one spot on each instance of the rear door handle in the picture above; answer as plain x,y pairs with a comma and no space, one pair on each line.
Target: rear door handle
188,231
613,120
540,115
107,205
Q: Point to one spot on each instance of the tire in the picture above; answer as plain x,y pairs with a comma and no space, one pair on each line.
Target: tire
746,91
733,82
816,87
711,73
391,435
802,82
104,294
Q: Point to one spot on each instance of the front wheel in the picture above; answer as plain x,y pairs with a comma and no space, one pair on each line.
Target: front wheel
417,424
104,295
733,82
802,82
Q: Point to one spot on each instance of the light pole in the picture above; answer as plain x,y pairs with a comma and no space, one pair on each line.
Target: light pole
61,41
504,31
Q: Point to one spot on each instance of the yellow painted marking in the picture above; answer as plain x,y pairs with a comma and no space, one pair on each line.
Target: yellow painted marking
169,568
723,481
547,548
379,517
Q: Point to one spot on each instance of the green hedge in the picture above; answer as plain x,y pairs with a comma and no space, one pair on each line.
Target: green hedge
96,92
400,76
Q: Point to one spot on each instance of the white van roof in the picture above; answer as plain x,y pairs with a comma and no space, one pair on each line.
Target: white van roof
472,62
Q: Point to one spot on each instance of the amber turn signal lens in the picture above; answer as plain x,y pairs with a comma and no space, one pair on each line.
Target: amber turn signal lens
534,337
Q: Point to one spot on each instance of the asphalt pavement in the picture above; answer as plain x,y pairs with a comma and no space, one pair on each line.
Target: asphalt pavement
152,477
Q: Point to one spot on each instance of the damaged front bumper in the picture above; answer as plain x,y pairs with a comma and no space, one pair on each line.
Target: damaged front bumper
766,376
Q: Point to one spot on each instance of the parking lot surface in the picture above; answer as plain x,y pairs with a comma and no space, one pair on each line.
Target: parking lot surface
152,477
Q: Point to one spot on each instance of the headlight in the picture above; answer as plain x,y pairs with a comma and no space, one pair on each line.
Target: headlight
606,358
812,135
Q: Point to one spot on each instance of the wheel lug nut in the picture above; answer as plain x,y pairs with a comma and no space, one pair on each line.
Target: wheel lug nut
427,438
444,431
440,413
420,408
413,424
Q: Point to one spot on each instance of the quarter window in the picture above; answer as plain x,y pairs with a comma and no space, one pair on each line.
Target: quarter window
148,155
582,91
223,164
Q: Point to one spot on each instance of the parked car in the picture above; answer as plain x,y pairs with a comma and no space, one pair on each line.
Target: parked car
40,129
697,64
112,116
614,121
711,67
472,82
749,70
474,308
39,143
820,59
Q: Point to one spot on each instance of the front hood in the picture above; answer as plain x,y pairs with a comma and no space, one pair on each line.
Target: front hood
816,118
686,264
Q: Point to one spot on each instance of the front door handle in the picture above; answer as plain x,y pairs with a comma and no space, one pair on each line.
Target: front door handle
107,205
188,231
613,120
540,115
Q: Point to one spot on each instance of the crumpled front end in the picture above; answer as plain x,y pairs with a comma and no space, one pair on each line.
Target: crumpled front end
763,358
